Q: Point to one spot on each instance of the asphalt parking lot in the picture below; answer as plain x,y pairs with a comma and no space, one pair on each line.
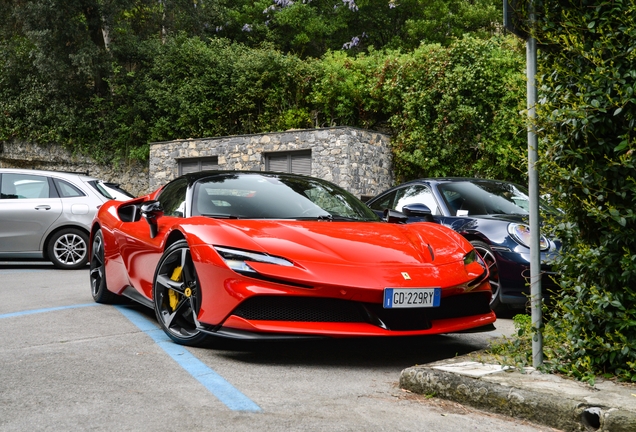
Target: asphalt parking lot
71,364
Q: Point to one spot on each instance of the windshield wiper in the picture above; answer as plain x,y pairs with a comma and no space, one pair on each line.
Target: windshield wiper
328,218
339,218
220,216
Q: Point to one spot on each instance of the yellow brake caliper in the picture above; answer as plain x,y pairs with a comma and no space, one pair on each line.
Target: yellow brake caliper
173,297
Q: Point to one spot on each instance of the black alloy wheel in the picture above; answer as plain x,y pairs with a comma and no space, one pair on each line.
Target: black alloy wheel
97,273
177,296
489,258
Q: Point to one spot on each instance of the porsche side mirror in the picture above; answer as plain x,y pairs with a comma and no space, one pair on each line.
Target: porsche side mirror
151,211
418,210
394,216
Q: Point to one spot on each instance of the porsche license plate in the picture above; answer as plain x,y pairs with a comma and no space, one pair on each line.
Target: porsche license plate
411,297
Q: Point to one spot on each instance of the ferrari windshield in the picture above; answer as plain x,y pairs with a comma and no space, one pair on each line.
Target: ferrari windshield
483,197
275,196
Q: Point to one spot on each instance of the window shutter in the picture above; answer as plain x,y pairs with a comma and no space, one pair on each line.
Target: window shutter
301,163
189,166
278,163
209,164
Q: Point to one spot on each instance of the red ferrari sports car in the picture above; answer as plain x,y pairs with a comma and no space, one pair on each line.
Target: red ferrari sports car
259,254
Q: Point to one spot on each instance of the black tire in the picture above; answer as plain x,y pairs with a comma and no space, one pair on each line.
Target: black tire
68,249
177,296
489,258
97,273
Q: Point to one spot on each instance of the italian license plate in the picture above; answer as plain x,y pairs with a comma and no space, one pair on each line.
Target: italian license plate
411,297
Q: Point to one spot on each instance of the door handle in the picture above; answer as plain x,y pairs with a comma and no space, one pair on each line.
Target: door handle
43,207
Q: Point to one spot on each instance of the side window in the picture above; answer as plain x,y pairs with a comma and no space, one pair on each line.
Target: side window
22,186
67,190
385,202
173,197
416,194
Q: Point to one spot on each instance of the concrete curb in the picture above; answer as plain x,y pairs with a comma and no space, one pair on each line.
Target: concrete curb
540,398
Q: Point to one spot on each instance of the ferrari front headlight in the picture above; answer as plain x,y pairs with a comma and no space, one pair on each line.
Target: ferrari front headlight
237,259
470,257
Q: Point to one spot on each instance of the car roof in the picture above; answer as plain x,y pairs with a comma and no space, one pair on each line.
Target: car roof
82,175
453,180
193,177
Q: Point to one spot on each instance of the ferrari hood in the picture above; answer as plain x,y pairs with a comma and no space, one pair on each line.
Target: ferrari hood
346,243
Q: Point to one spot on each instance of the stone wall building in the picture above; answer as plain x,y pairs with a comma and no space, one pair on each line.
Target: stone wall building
356,159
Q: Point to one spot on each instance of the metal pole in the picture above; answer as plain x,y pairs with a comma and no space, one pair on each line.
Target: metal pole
533,180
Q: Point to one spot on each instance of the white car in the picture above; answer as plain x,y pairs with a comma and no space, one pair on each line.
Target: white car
47,214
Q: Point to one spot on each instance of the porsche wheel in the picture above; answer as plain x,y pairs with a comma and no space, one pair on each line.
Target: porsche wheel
177,296
97,273
489,258
68,249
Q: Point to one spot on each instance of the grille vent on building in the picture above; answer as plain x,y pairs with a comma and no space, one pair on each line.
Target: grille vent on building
298,162
198,164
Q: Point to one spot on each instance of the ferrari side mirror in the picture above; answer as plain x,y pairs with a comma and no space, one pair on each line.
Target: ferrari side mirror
394,216
151,211
418,210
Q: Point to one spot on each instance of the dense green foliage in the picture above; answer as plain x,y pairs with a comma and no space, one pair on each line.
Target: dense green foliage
125,75
586,118
427,98
312,27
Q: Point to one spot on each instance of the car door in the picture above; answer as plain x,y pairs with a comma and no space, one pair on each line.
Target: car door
28,207
138,249
409,194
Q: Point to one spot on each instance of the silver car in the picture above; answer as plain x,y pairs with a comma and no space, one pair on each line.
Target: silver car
47,214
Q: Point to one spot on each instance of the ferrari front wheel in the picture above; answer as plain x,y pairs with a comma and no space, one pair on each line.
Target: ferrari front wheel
177,295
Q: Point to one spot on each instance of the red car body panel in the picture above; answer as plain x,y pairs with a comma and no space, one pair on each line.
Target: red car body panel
352,261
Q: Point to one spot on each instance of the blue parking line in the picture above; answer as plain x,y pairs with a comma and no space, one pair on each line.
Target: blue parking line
215,383
3,271
36,311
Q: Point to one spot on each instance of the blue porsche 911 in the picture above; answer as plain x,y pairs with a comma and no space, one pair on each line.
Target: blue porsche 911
492,215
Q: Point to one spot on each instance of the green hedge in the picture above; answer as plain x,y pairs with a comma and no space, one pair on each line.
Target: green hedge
452,110
587,110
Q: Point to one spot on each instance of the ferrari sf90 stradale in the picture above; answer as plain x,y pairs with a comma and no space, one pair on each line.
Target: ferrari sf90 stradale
275,255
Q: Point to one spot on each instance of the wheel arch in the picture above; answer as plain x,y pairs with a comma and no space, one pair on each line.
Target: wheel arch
476,236
174,237
45,245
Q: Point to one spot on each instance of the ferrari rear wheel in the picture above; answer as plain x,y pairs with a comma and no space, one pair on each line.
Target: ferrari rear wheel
177,295
489,258
97,273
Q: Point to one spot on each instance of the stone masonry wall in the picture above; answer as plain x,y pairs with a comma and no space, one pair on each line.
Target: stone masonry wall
132,177
357,160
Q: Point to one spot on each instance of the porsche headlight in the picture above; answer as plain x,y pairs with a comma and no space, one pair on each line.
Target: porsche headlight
521,234
236,259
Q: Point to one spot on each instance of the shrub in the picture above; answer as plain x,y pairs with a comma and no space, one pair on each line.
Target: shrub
586,112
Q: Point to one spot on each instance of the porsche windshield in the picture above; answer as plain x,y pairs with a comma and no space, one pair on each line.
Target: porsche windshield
477,197
276,196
